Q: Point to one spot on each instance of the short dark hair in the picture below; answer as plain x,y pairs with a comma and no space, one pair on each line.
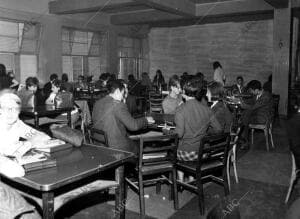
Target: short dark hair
64,77
81,77
216,65
216,89
131,77
31,81
113,85
173,81
104,76
239,77
254,84
191,86
57,83
53,77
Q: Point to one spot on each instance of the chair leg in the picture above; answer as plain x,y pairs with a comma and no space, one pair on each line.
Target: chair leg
267,138
271,137
200,194
175,192
252,133
234,166
228,171
158,187
225,183
142,198
292,183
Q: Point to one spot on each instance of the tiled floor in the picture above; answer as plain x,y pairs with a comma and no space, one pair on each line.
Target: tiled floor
263,175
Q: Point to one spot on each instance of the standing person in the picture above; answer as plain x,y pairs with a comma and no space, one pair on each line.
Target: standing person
111,115
159,80
48,86
174,99
4,79
219,75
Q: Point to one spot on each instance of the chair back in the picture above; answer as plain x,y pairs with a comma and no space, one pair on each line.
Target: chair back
97,136
157,149
155,102
214,148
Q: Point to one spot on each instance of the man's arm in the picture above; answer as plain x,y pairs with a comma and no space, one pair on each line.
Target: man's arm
125,117
179,121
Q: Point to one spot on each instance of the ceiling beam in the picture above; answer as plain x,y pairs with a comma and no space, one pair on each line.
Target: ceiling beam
278,3
179,7
81,6
224,8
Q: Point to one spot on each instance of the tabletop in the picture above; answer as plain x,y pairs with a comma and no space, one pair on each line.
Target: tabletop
74,164
44,110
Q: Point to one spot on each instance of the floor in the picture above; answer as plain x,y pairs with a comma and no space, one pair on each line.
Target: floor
260,193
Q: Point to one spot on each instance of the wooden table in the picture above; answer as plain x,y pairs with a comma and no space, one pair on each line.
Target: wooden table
89,160
46,110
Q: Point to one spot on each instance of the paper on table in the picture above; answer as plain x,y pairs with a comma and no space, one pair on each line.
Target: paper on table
147,134
50,143
31,158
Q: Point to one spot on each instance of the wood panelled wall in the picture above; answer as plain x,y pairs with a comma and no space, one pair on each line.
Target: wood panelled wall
244,48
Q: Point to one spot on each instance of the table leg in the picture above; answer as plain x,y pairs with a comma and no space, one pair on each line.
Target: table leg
48,205
36,121
69,118
120,195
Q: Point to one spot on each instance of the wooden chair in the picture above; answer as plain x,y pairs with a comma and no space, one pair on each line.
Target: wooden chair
155,102
267,128
156,157
293,179
210,166
231,158
97,136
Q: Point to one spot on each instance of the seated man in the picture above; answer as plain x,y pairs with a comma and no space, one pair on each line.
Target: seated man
12,205
260,111
11,130
111,115
238,88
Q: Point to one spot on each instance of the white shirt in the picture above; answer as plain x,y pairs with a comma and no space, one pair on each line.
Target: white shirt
219,75
10,138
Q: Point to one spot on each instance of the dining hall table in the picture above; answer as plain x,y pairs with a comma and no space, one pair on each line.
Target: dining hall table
75,167
45,111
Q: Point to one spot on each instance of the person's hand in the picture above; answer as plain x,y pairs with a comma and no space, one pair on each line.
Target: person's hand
166,131
150,119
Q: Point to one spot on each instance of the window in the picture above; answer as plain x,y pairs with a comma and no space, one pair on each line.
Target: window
19,46
84,53
131,57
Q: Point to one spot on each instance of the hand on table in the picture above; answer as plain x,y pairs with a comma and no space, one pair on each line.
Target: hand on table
150,119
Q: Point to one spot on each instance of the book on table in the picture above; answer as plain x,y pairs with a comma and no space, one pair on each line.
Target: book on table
53,145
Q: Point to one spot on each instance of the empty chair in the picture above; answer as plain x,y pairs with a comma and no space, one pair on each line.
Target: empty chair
155,102
156,157
210,166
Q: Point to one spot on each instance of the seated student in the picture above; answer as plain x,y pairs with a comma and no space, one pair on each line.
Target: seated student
65,83
102,82
111,115
174,99
80,84
215,94
57,88
48,85
192,120
260,111
238,88
11,130
31,87
159,80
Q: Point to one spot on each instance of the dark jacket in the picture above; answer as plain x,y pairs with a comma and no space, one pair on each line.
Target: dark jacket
236,91
223,115
47,89
260,111
113,118
5,82
192,122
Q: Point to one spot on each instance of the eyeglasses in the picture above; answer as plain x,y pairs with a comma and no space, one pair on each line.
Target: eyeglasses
10,109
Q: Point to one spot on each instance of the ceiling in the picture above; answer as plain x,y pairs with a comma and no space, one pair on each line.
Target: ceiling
170,12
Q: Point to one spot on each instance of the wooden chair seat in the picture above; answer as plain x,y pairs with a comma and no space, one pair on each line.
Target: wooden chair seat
152,169
258,126
62,199
204,167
